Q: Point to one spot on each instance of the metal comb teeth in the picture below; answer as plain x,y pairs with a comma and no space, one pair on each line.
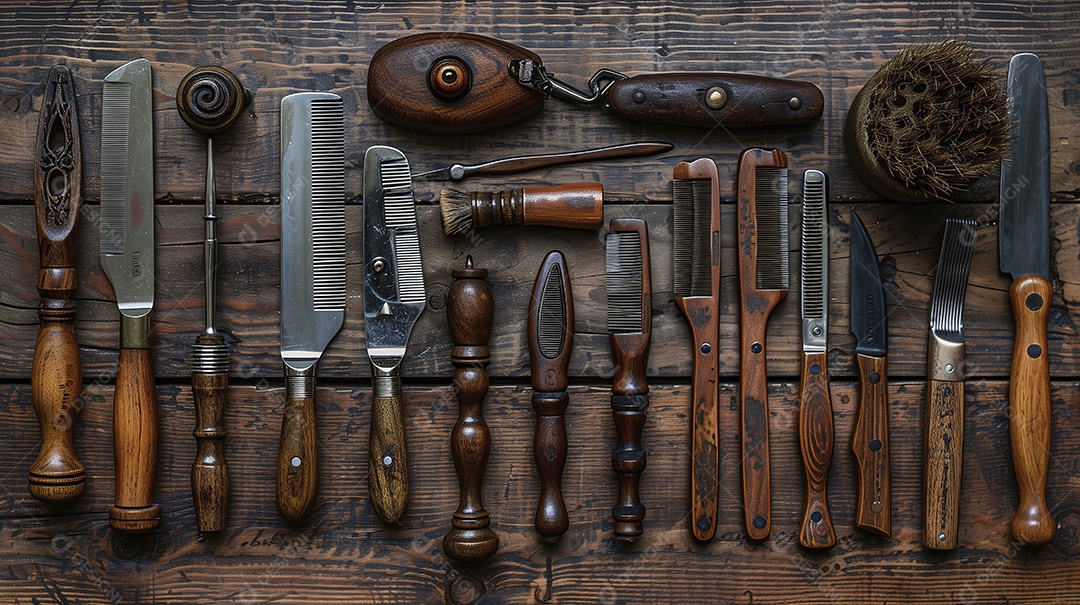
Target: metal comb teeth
115,113
814,257
328,203
552,315
399,212
950,283
692,247
771,218
623,278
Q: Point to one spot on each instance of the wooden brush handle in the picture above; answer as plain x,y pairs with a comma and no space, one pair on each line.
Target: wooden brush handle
870,445
1029,409
298,456
703,315
549,450
470,313
57,474
209,474
629,405
816,444
579,206
135,427
944,462
705,100
388,460
754,407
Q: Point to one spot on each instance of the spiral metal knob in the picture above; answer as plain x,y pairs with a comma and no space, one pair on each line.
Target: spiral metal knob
211,99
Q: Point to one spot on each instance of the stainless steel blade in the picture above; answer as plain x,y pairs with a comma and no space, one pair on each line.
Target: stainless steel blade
312,225
868,318
394,292
1024,203
815,262
127,187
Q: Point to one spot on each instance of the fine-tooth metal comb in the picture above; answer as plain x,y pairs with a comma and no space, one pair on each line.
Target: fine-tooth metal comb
115,109
763,283
327,203
696,196
950,283
623,271
815,262
400,212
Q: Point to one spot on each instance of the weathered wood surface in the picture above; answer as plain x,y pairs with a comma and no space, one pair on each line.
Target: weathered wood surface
284,48
345,555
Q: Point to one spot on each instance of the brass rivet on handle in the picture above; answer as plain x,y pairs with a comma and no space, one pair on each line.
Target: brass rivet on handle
716,97
794,103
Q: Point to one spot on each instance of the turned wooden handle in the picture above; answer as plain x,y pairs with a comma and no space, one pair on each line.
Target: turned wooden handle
209,474
1029,409
470,313
703,315
944,462
816,444
577,206
135,426
549,449
628,461
57,474
298,457
870,445
388,462
706,100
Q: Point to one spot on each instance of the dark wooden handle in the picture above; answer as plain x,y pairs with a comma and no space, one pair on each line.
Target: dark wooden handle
450,84
135,426
706,100
549,449
754,408
816,444
209,474
870,445
535,162
388,461
298,456
628,461
1029,409
470,313
944,462
703,315
578,206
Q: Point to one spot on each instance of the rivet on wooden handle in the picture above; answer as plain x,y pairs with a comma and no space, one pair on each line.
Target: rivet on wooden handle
388,461
816,444
1029,409
298,456
870,446
944,462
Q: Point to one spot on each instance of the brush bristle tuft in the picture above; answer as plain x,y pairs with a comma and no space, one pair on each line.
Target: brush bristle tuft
456,211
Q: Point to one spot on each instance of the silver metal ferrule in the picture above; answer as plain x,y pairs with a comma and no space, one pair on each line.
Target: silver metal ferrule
814,335
210,260
386,383
300,384
210,358
945,359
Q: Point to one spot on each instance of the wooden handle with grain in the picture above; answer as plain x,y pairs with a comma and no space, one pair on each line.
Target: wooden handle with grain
576,206
629,405
816,444
298,455
870,445
57,475
209,474
1029,409
135,427
549,450
706,100
388,461
944,462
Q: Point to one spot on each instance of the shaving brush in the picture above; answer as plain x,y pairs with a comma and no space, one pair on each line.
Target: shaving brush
928,125
578,206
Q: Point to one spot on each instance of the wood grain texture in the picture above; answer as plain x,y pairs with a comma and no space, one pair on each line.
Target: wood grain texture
135,443
816,446
870,447
944,455
209,473
298,454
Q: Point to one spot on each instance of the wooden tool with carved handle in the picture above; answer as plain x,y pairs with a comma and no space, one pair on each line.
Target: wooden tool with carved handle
470,312
763,281
551,338
209,100
57,474
629,310
579,206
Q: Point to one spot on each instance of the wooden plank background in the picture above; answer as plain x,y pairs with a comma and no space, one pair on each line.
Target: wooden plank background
67,554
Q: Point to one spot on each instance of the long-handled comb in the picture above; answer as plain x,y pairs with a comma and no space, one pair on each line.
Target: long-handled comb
945,390
696,188
763,279
629,309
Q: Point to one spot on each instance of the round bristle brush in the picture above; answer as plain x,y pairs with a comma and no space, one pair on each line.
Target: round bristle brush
929,124
579,206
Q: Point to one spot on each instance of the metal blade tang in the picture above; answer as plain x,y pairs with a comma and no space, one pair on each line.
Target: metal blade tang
312,225
127,187
1024,203
815,262
868,316
394,292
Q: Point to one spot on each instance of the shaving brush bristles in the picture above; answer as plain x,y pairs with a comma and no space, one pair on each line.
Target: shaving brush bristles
456,211
935,119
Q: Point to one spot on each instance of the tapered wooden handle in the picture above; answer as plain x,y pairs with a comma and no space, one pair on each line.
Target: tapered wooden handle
298,458
1029,409
209,474
135,426
816,444
870,445
549,448
754,407
944,462
703,315
388,462
705,100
